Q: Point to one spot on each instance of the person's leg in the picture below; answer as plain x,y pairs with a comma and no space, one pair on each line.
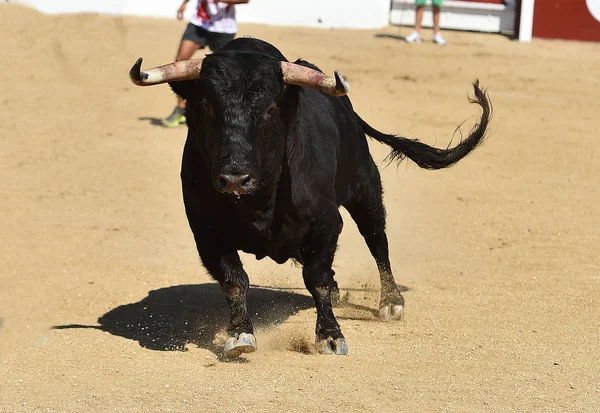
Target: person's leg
190,42
420,11
187,48
415,36
437,11
436,19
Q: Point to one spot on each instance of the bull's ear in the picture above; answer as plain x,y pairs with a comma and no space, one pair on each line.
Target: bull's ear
289,105
185,89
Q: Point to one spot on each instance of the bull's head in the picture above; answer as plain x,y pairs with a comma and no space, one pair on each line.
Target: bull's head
235,107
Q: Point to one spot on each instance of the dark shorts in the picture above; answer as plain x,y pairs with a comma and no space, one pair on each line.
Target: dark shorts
205,38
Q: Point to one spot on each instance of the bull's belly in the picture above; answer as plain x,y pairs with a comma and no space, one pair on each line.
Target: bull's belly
280,246
278,252
281,255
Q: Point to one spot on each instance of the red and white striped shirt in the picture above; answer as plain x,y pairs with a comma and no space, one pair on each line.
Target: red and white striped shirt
215,16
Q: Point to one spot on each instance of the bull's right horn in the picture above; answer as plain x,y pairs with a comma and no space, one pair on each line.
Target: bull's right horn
295,74
172,72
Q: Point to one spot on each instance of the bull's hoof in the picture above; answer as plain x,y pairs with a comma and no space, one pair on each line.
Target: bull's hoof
238,344
338,346
390,312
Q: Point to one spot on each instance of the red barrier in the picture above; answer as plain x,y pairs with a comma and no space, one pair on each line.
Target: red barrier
566,19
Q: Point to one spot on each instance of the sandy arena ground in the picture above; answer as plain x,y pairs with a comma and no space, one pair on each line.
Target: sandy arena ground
100,278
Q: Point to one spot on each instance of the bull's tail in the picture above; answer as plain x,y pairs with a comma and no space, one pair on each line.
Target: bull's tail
427,156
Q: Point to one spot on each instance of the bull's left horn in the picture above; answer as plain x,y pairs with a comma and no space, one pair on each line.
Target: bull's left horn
172,72
294,74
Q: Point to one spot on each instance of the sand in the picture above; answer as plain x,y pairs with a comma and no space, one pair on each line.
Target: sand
101,288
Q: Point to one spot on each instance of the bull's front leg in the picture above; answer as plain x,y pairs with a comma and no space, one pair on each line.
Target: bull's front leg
317,255
228,271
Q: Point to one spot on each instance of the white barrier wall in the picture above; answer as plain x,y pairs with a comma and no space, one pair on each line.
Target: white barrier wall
459,15
357,14
163,8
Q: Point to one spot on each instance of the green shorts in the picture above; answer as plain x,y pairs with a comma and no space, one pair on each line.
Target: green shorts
437,3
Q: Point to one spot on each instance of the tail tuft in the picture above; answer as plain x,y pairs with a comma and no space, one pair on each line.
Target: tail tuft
427,156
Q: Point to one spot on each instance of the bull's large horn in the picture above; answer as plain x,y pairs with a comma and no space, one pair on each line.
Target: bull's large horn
182,70
295,74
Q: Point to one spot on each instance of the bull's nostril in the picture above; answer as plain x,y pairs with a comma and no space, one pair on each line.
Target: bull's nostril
246,180
222,182
236,183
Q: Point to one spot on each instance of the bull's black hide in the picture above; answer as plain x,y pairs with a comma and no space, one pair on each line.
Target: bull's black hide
267,163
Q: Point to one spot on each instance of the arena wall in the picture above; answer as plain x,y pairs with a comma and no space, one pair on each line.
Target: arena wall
567,19
494,16
559,19
356,14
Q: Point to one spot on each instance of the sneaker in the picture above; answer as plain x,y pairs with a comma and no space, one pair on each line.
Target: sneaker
175,119
414,37
437,38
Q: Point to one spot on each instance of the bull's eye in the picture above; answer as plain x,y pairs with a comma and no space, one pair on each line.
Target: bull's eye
207,108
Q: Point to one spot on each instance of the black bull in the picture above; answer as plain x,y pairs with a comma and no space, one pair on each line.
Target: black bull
267,163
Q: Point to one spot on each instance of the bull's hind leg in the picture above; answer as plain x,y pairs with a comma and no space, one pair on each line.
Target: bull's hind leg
228,271
367,210
317,256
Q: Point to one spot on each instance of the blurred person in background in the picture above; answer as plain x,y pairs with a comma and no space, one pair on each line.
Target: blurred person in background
213,25
415,36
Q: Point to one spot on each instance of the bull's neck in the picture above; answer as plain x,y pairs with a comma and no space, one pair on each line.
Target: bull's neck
256,211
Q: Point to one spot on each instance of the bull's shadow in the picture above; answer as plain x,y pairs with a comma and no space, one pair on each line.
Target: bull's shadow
152,120
170,318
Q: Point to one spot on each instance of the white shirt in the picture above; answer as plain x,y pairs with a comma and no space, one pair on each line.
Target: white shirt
215,16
